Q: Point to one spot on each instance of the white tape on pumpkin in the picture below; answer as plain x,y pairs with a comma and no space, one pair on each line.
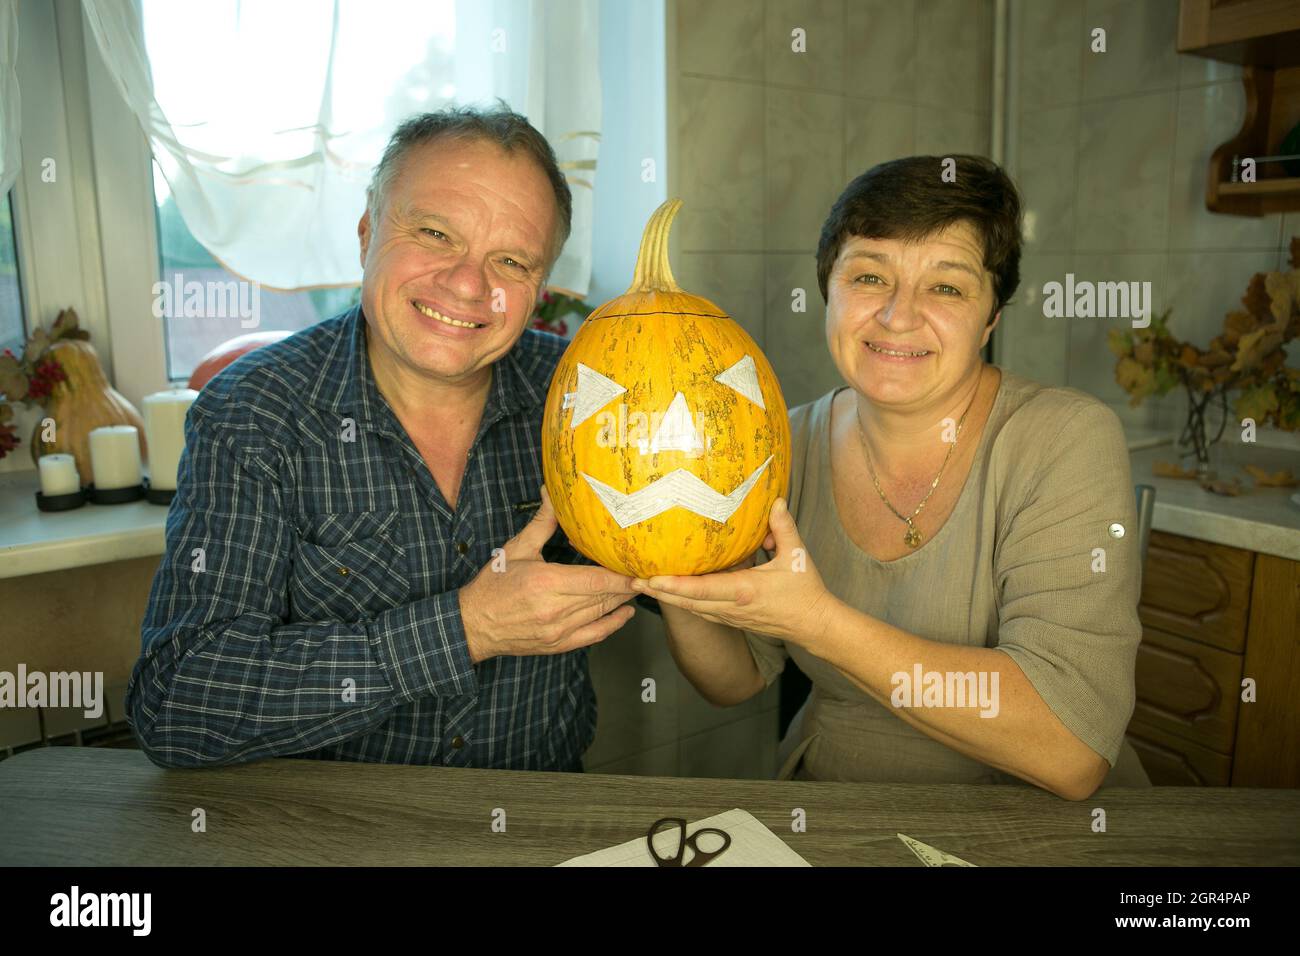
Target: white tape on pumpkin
677,489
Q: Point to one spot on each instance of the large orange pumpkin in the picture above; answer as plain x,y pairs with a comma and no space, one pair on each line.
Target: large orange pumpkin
665,436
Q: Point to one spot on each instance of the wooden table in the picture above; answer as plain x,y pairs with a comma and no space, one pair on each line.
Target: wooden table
91,806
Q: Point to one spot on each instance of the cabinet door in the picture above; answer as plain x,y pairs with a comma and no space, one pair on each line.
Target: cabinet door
1189,689
1268,730
1175,762
1197,590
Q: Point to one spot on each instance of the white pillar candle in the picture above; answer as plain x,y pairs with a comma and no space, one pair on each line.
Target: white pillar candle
115,457
59,475
164,431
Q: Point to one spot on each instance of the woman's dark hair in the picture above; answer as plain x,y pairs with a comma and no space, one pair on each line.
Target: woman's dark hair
908,199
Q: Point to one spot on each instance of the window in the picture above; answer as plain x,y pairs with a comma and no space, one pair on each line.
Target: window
12,330
183,260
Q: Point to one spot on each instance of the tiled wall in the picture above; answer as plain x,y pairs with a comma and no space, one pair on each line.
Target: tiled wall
763,139
1112,155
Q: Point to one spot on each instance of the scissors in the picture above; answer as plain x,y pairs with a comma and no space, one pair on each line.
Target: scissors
701,857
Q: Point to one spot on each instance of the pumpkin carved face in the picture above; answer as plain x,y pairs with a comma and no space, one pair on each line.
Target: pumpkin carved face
666,436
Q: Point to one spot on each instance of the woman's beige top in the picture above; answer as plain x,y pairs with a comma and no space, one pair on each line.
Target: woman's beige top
1012,568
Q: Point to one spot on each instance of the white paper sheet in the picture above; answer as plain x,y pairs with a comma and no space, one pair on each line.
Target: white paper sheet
752,844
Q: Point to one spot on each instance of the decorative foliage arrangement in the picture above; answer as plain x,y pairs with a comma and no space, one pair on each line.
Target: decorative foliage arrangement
33,376
1247,359
552,307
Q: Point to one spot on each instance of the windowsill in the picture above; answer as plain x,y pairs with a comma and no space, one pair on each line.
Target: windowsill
34,541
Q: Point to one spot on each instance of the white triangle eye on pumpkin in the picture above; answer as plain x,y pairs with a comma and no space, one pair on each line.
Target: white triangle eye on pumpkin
665,435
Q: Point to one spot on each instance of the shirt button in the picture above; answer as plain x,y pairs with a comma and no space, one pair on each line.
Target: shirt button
461,547
457,743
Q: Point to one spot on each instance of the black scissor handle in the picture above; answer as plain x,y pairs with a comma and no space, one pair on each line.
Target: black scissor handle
701,857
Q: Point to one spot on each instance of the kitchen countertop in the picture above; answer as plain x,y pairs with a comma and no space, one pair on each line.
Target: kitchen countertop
33,541
1263,519
86,806
1259,519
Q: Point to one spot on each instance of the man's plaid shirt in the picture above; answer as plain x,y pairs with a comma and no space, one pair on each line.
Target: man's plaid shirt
307,599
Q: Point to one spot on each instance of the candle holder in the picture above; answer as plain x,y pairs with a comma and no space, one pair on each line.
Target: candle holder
117,496
159,496
73,499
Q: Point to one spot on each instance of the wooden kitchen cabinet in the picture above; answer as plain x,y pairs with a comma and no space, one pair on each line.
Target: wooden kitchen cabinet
1213,615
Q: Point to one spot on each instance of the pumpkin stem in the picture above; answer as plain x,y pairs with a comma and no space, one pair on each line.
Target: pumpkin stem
653,273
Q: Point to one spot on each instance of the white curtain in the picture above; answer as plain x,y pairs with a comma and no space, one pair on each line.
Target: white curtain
267,117
10,108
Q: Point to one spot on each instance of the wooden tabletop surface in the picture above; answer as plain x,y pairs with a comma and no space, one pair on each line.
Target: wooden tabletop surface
91,806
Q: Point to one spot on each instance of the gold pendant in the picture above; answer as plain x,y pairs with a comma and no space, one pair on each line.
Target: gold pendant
913,537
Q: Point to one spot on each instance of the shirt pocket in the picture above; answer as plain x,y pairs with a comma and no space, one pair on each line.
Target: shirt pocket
348,566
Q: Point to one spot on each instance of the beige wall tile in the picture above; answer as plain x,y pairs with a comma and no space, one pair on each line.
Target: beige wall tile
954,49
1140,55
744,750
720,167
821,64
720,38
1196,70
796,341
1122,201
876,131
879,49
627,725
1053,43
1029,343
733,281
804,165
1207,117
943,132
1046,178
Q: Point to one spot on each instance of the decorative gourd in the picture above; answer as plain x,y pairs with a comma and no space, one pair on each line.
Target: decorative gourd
226,353
81,404
665,435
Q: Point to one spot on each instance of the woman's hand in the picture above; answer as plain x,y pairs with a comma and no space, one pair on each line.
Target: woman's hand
783,598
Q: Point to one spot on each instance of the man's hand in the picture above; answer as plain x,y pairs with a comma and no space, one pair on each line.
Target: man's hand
532,607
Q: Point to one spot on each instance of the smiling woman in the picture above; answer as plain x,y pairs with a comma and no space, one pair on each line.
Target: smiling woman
954,509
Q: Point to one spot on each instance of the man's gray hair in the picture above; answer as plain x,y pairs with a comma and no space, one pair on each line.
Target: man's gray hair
499,125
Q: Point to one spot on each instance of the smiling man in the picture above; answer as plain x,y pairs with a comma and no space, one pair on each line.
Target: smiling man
357,567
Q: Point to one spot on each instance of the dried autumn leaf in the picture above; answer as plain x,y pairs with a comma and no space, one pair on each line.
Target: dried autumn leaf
1256,403
1189,357
64,324
1144,353
1281,297
1229,488
1236,325
1256,299
1119,342
1253,347
1165,469
1138,381
1275,479
13,383
38,343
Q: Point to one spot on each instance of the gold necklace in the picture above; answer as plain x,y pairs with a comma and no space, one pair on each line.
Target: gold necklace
913,537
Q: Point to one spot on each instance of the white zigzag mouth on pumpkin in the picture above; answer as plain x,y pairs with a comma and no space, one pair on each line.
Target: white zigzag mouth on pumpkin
677,489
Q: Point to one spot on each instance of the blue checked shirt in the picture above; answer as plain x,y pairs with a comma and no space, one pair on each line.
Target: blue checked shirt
307,599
